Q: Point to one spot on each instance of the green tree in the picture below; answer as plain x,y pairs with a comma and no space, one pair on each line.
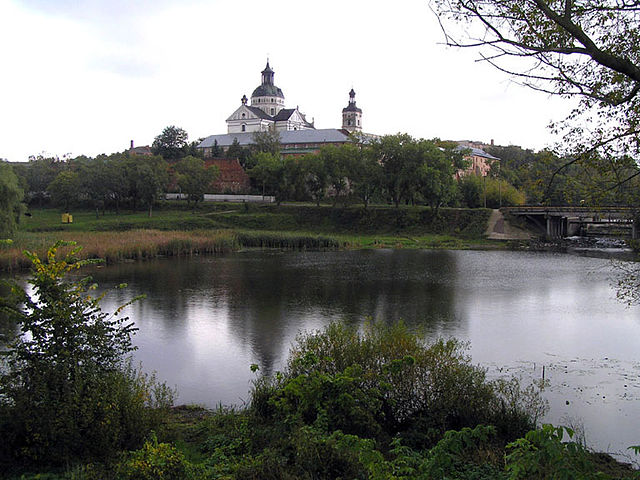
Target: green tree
151,179
216,151
400,161
195,178
40,173
316,178
269,173
93,183
117,166
67,393
267,141
336,163
11,196
243,154
475,190
365,174
436,174
171,144
65,188
588,50
193,150
235,150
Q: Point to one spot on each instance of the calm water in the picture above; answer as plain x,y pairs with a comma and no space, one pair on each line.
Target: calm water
206,320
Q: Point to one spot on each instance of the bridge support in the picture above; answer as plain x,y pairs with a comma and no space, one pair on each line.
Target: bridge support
556,227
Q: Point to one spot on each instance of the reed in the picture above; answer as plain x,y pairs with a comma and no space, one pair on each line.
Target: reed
289,241
114,247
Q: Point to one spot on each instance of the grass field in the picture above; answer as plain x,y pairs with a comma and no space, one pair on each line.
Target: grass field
217,228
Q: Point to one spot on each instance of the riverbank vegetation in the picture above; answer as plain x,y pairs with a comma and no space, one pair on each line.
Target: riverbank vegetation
218,228
377,402
68,392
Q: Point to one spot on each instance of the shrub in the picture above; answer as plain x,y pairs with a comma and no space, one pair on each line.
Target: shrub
159,461
498,192
386,381
67,392
543,454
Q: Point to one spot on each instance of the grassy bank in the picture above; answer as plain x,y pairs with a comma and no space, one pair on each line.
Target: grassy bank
218,228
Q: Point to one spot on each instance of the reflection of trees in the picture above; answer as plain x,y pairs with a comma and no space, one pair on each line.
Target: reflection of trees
8,328
268,297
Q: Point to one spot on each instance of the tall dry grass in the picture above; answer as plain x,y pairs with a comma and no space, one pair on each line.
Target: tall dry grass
115,247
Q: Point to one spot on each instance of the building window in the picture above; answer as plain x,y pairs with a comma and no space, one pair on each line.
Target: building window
243,115
349,123
273,111
244,127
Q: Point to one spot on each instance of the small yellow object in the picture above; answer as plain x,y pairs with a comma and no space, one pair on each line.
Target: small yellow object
67,218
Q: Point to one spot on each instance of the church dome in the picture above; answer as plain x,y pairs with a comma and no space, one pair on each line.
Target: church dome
267,90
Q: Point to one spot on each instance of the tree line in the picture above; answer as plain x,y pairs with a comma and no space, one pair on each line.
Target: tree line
392,169
114,181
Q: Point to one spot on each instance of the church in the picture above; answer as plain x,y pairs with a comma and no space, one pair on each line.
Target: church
266,111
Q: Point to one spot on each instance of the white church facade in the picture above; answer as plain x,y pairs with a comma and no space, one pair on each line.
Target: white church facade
266,111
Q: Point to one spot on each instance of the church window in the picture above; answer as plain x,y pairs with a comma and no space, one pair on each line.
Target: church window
244,127
243,115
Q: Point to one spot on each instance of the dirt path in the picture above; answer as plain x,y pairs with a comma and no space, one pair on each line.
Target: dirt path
499,229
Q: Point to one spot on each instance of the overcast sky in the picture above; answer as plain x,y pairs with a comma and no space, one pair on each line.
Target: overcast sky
86,77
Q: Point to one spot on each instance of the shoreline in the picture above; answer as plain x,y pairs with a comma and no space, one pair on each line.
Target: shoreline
144,244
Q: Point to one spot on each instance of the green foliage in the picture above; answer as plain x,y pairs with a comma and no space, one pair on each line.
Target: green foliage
477,190
436,174
67,392
39,173
375,404
171,144
195,177
11,196
400,158
419,391
270,173
467,454
65,188
365,175
316,177
543,454
586,50
336,161
150,180
242,154
267,141
159,461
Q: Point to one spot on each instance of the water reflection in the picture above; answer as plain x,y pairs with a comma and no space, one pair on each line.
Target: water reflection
205,320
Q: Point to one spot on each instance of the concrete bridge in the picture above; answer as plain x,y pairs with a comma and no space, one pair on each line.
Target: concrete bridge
559,222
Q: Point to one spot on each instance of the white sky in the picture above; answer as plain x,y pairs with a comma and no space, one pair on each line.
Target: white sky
87,76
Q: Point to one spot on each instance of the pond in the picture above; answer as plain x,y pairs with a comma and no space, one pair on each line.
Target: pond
205,320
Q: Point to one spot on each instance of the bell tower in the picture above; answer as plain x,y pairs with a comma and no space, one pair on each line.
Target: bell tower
267,97
352,115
